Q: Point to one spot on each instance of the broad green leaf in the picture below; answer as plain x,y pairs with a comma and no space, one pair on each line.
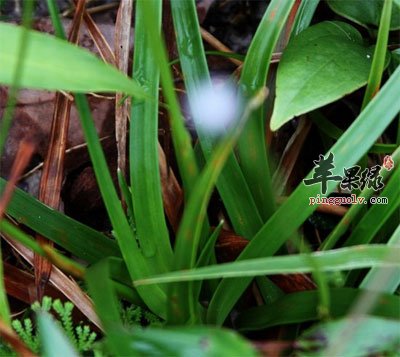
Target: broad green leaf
303,306
351,337
54,64
320,65
53,340
365,12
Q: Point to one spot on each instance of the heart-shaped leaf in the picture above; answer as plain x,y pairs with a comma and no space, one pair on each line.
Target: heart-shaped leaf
365,12
53,64
320,65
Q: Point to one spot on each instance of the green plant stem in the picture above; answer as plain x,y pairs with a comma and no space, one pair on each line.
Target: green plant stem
378,61
55,18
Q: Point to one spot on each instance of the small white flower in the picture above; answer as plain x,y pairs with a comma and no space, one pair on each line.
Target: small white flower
215,107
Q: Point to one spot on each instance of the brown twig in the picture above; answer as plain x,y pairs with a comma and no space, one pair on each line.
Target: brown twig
323,208
229,247
53,167
291,153
122,39
218,45
171,191
24,154
62,282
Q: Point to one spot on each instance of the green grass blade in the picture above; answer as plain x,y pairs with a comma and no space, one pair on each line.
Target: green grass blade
155,341
61,261
127,196
252,147
378,214
107,307
180,136
67,67
133,257
334,260
207,256
55,19
362,134
391,276
302,307
354,210
334,132
231,184
188,236
77,238
151,228
378,60
137,265
304,16
4,307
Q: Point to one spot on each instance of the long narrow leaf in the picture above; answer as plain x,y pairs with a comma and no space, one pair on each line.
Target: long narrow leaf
333,260
302,307
352,213
378,60
151,228
137,265
180,136
98,279
67,67
77,238
4,307
252,148
378,214
231,184
361,134
188,236
391,275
